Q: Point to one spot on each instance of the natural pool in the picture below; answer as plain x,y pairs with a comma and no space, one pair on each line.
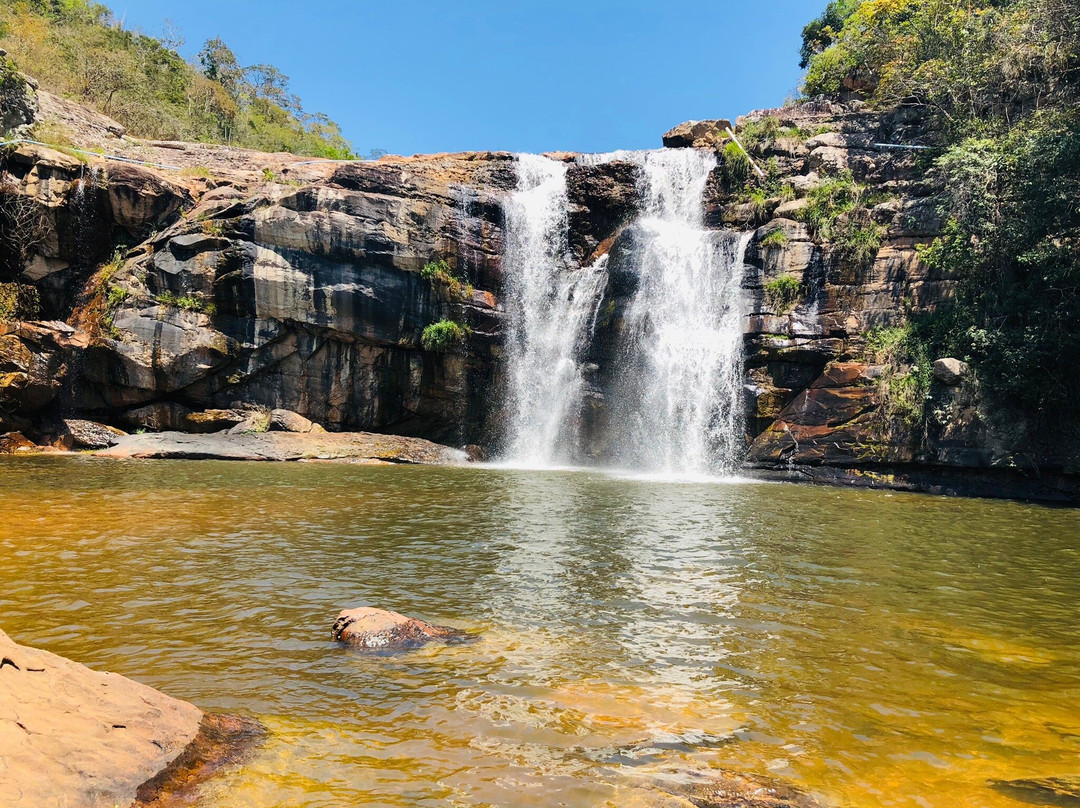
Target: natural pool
872,648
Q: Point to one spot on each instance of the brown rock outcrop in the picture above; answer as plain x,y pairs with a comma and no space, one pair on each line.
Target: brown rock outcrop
74,736
91,435
697,134
373,629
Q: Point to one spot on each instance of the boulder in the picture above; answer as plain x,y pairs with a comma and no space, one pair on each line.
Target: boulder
381,630
289,421
788,210
697,134
17,443
140,198
90,434
75,736
950,371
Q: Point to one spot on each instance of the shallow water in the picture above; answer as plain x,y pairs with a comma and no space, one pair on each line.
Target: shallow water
872,648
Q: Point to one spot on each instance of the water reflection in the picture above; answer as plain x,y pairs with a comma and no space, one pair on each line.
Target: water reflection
876,649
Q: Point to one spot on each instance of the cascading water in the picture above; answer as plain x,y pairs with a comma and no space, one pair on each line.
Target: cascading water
676,400
679,400
551,308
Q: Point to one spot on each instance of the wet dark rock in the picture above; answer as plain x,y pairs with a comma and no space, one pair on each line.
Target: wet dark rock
1060,791
373,629
160,416
720,789
602,199
223,741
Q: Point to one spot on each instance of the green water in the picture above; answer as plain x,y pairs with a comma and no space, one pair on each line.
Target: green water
872,648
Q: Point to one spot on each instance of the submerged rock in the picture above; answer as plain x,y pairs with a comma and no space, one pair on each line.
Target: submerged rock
74,736
721,789
1060,791
382,630
223,740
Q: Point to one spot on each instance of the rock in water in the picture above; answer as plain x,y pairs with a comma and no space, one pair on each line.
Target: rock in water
1060,791
720,789
75,736
382,630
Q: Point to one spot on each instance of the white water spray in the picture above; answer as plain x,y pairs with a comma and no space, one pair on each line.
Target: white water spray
551,310
680,397
677,402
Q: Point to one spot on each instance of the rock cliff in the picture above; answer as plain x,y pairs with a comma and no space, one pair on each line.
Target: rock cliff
231,278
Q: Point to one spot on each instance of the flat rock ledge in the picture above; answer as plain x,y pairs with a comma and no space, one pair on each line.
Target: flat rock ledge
384,631
74,736
355,447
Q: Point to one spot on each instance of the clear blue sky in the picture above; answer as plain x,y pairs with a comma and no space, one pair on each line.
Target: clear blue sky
413,76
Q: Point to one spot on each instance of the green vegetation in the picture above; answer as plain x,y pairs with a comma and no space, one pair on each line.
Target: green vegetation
976,65
1013,241
774,239
838,212
185,302
77,49
782,293
1000,82
444,335
443,276
904,384
19,301
735,165
447,333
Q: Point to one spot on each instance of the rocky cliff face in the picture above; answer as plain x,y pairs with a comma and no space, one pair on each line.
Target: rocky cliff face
240,278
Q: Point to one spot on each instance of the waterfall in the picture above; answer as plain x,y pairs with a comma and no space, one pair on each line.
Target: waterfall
676,398
679,399
551,307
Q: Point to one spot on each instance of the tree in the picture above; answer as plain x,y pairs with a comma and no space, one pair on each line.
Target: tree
219,64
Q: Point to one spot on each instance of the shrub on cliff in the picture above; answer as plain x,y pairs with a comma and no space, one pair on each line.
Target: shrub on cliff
443,336
77,49
19,301
838,213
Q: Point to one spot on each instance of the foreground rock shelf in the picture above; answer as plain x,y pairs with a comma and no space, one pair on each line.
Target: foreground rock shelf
70,735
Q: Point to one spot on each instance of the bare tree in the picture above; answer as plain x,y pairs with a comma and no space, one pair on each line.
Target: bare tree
23,228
